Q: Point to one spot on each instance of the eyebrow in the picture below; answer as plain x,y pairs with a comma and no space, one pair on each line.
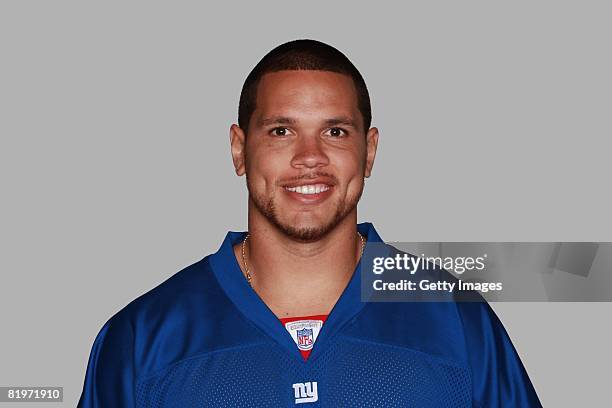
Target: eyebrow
341,121
284,120
277,120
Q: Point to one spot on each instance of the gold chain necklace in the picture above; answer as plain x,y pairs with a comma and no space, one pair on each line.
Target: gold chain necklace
246,266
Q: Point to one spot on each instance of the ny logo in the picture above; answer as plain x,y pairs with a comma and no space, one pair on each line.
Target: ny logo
305,392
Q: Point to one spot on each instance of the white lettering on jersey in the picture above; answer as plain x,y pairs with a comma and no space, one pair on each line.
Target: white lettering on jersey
305,392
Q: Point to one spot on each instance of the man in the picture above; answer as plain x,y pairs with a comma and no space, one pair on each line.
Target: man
274,318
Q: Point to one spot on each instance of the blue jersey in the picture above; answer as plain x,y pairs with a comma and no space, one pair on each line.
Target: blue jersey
204,338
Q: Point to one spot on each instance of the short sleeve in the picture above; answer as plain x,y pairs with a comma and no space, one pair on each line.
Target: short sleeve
109,380
499,378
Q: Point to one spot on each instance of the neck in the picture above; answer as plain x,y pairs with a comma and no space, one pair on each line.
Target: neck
297,278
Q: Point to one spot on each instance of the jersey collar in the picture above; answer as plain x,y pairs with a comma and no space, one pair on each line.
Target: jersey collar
227,271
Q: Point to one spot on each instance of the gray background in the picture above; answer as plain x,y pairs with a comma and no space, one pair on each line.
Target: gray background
115,166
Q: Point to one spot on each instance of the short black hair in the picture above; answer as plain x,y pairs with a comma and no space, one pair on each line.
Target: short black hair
302,55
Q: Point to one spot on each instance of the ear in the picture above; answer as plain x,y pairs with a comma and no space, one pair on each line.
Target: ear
371,145
238,144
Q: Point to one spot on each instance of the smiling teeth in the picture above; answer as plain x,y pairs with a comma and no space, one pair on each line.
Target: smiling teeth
309,189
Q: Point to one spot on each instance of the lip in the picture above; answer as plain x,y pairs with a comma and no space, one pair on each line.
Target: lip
315,198
310,199
310,181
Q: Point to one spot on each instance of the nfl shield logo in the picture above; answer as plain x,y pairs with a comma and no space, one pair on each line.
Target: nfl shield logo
305,339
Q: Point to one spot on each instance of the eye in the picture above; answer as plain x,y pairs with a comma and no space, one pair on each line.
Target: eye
280,131
336,132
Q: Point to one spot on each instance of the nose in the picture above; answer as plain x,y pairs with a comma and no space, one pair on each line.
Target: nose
309,153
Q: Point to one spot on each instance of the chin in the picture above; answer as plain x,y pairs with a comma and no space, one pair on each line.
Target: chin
307,222
309,230
305,233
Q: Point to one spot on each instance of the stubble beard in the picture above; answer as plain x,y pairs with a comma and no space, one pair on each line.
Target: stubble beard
266,206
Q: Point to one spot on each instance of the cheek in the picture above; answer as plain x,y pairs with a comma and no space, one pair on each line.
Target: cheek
350,166
265,168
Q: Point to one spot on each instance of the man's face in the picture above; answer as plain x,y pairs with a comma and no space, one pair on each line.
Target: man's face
305,154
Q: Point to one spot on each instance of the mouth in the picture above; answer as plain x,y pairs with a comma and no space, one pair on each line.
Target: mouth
311,191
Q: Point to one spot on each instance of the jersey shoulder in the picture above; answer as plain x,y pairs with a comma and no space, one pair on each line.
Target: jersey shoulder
183,317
